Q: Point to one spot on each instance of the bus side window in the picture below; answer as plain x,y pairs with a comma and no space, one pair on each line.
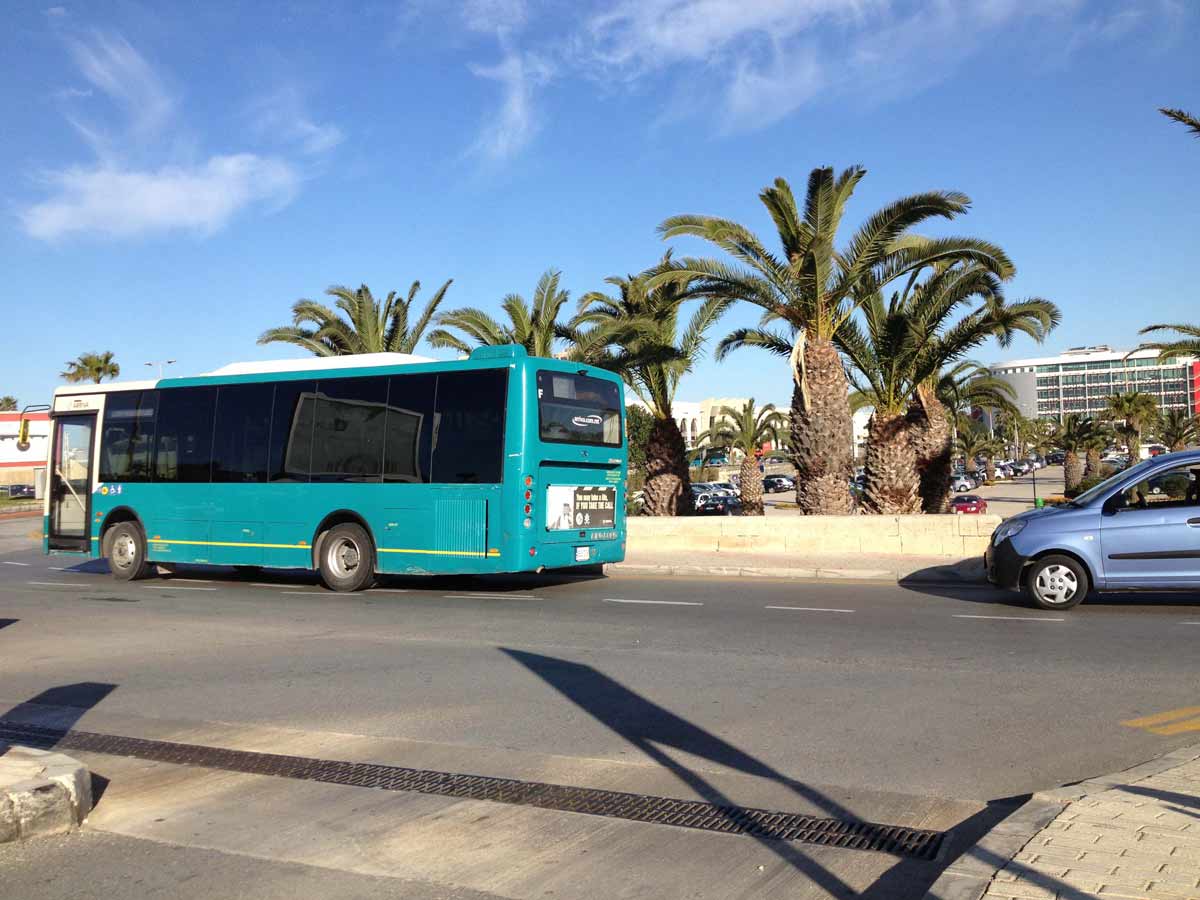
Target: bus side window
468,443
184,435
408,442
292,430
128,437
348,429
242,433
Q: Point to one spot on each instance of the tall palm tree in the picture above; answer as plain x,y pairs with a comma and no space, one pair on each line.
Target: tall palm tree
1076,435
94,367
534,326
1178,430
637,334
8,403
973,442
369,326
898,359
815,288
1187,120
1187,345
1138,412
746,430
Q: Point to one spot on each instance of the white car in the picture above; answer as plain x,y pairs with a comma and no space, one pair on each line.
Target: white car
962,484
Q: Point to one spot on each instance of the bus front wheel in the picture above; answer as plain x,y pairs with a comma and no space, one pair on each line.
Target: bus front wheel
125,550
347,559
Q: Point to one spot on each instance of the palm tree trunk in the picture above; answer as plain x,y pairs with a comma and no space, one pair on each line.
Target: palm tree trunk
991,468
892,481
1092,464
750,482
821,429
929,428
668,488
1072,470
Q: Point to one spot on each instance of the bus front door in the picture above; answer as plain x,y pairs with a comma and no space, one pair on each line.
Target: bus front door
71,482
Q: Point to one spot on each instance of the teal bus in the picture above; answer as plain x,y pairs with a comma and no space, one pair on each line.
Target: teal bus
352,465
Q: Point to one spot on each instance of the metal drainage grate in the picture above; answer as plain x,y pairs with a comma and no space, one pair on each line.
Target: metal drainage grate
760,823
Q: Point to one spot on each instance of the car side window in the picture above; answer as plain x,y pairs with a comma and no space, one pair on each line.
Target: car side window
1178,487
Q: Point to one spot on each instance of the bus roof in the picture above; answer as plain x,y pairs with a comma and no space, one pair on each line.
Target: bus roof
239,370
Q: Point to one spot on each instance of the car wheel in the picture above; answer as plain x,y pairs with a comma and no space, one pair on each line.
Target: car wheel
125,550
1056,582
346,561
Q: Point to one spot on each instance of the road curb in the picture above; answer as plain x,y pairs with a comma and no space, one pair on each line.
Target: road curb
952,573
41,792
969,876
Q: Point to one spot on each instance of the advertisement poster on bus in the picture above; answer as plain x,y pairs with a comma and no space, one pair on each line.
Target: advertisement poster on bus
570,506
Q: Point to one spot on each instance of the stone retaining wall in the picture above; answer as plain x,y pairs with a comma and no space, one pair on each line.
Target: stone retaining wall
948,535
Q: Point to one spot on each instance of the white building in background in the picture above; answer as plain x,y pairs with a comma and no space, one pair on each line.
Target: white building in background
1081,380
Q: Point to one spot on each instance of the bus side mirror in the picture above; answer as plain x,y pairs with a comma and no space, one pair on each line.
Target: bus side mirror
23,435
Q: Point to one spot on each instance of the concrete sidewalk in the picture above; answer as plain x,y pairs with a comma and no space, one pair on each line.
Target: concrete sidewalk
857,566
1132,834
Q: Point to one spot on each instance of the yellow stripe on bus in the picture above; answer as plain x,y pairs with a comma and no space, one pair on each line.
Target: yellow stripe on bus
492,552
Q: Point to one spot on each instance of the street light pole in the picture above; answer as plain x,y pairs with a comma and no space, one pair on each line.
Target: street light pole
160,363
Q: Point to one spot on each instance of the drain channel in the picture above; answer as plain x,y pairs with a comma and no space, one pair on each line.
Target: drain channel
760,823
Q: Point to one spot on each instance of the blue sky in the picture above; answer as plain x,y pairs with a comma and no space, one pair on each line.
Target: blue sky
177,178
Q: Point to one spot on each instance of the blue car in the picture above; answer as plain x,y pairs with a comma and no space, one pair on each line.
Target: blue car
1138,530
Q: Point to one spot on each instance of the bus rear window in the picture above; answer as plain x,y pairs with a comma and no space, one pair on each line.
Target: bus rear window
578,409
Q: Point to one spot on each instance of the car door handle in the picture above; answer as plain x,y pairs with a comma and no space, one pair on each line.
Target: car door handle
1195,523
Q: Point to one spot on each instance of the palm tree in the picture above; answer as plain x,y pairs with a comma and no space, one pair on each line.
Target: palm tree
1188,345
1077,434
814,289
534,326
1138,412
1178,430
745,430
898,360
973,442
1183,118
8,403
637,334
368,327
93,367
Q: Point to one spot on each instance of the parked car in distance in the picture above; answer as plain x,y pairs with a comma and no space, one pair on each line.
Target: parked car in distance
21,491
774,484
729,487
1119,535
715,505
968,503
1056,458
962,483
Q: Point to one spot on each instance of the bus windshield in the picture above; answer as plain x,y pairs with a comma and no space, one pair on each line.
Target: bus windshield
578,409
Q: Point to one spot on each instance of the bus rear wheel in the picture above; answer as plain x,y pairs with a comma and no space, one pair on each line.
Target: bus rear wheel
125,550
347,558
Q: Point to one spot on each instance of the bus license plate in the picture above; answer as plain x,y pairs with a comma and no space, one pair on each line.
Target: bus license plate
583,554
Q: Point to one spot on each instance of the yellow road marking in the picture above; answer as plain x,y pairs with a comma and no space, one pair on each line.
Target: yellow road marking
230,544
1151,723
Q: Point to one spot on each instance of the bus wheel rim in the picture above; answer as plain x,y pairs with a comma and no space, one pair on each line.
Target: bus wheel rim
123,551
344,557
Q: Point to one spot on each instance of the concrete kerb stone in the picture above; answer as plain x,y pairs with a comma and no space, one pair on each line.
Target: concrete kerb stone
41,792
966,572
970,876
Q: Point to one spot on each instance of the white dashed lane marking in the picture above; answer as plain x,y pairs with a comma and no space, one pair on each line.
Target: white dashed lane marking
55,584
7,563
810,609
171,587
1011,618
654,602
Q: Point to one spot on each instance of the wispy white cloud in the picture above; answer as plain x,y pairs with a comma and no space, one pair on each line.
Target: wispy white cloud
140,182
509,130
111,65
121,203
495,16
281,115
55,12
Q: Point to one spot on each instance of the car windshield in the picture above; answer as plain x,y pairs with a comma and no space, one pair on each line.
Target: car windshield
1108,483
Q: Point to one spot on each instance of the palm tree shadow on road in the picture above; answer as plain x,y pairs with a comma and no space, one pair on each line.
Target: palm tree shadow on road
651,728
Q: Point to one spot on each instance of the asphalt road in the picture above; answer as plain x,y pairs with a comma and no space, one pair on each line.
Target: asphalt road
912,706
